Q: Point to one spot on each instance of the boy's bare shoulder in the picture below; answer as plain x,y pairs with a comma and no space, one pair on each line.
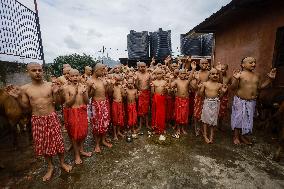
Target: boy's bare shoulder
90,81
26,86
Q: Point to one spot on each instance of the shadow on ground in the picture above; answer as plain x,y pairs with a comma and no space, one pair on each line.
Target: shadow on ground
148,163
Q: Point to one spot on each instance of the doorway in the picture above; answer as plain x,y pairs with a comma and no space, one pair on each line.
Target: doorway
278,59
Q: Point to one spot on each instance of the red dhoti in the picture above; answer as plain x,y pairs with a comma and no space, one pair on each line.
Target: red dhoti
223,106
132,114
78,123
65,116
101,116
118,113
170,108
181,110
159,113
48,140
198,104
143,102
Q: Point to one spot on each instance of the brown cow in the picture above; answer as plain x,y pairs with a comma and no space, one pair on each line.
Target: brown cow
277,119
11,111
271,109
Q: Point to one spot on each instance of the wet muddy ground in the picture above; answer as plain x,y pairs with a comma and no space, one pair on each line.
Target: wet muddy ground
148,163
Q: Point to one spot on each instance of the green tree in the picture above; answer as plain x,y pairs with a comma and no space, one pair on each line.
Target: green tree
74,60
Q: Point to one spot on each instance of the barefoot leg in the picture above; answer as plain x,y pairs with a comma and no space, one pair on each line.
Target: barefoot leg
119,132
140,124
147,122
211,134
64,166
184,130
205,133
78,159
109,145
115,133
82,152
97,147
69,148
50,169
196,127
245,140
236,139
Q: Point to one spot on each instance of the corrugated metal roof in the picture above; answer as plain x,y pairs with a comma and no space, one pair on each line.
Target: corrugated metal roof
210,24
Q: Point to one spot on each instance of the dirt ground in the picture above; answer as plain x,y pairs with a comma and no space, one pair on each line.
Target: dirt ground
148,163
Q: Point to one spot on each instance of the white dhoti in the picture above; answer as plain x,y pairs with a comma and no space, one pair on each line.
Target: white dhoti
210,111
242,114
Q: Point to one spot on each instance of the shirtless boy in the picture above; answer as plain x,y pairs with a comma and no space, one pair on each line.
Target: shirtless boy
142,83
247,83
182,86
76,98
212,90
65,77
131,95
226,80
101,119
87,74
118,107
41,97
159,90
200,77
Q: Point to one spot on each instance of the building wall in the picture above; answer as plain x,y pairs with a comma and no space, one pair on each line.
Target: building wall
250,34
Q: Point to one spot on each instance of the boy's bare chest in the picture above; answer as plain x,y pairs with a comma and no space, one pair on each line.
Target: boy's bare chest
143,78
249,80
182,83
39,92
131,93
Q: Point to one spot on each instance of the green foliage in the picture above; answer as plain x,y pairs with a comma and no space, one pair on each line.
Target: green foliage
74,60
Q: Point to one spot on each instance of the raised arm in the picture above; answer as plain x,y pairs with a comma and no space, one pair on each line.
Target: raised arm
270,77
91,88
235,79
85,94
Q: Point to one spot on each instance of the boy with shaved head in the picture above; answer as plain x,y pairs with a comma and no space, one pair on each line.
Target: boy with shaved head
200,77
76,98
212,90
41,97
248,84
65,77
182,88
87,74
159,89
100,106
131,96
118,106
143,86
